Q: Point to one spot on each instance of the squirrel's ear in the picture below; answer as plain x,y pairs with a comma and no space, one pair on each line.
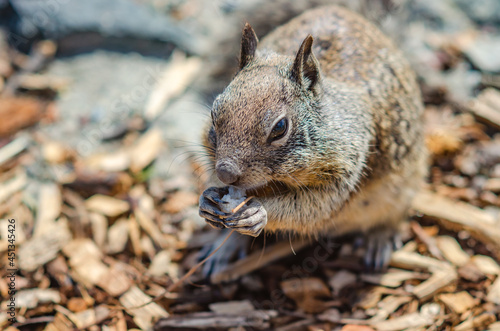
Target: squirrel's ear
248,45
305,69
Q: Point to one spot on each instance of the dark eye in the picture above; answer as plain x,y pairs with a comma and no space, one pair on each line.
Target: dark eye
279,130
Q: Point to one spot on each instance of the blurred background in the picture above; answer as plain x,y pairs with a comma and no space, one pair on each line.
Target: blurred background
101,107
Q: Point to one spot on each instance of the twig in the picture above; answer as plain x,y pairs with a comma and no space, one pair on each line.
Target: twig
255,261
238,207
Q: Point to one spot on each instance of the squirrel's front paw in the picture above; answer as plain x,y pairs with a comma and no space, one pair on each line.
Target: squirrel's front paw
250,219
211,206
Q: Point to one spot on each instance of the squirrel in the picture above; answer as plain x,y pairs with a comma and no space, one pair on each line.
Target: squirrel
322,124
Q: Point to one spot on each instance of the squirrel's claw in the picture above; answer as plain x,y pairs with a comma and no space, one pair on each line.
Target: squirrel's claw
212,220
250,219
379,245
214,194
210,205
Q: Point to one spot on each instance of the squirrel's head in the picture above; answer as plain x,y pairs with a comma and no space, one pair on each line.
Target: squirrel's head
263,124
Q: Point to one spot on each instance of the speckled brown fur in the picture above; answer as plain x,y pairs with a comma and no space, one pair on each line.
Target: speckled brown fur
354,157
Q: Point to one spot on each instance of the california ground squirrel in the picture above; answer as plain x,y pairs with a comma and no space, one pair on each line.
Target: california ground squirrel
327,138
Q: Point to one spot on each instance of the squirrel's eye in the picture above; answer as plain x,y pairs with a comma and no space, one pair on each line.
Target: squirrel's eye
279,130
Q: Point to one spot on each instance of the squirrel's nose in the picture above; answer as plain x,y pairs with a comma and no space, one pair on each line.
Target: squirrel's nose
227,172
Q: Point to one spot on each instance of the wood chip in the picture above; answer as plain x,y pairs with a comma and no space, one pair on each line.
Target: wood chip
452,251
85,259
117,236
48,208
458,216
115,281
178,74
492,184
55,152
494,292
162,265
330,315
494,326
146,316
10,187
411,261
486,106
89,317
107,205
179,201
486,264
471,272
18,113
388,306
232,307
151,228
458,302
13,148
146,150
340,280
135,236
435,283
112,162
443,273
60,323
394,278
33,297
41,249
352,327
428,240
42,82
476,323
77,304
371,299
414,320
99,225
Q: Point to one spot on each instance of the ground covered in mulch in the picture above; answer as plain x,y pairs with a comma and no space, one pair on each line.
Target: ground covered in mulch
100,175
